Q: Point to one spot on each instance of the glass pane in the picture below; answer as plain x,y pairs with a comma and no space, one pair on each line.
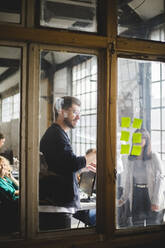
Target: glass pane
139,146
155,71
72,15
10,79
155,119
163,158
163,71
156,141
155,91
163,118
136,21
62,162
163,141
10,11
163,93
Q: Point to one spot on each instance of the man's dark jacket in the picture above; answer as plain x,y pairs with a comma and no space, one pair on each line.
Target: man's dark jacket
60,189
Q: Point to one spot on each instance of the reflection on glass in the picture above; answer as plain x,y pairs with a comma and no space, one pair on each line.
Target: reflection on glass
66,136
72,15
140,156
10,76
135,21
10,11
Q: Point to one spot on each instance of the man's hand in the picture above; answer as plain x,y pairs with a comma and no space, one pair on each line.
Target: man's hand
154,207
92,167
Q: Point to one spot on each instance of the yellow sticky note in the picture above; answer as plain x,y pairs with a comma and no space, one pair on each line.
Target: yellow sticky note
137,138
137,123
125,136
136,150
125,149
125,121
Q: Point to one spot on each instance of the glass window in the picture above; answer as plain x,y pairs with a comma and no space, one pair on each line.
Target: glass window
135,21
10,11
7,109
155,119
163,145
163,93
155,94
69,14
10,81
10,108
140,141
71,78
156,141
16,106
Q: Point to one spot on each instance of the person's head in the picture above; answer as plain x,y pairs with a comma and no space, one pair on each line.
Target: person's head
2,140
7,169
145,144
67,108
2,166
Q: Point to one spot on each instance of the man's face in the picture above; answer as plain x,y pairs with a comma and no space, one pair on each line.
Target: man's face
71,116
2,141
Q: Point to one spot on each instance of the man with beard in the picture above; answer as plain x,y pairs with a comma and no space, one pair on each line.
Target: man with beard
60,187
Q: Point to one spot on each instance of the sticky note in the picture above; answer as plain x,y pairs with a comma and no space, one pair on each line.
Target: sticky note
125,121
137,138
136,150
137,123
125,149
125,136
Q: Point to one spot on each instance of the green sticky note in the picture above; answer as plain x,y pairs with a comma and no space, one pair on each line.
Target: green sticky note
136,150
125,121
137,123
137,138
125,136
125,149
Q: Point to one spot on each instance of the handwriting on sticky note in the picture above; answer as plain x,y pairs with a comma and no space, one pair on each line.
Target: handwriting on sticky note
125,122
125,136
137,138
125,149
137,123
136,150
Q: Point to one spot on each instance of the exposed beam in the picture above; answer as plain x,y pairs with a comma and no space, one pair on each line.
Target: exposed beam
51,36
9,62
9,72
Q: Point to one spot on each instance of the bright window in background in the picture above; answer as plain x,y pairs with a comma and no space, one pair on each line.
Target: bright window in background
11,108
7,109
140,104
69,14
137,19
84,87
158,107
16,106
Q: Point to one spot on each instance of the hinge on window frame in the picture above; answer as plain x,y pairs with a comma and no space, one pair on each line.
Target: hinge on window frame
112,47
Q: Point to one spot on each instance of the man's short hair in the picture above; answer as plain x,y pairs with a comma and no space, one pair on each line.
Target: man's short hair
66,103
1,136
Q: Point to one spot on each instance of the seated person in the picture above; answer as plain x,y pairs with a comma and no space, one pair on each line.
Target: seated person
9,195
7,182
87,216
